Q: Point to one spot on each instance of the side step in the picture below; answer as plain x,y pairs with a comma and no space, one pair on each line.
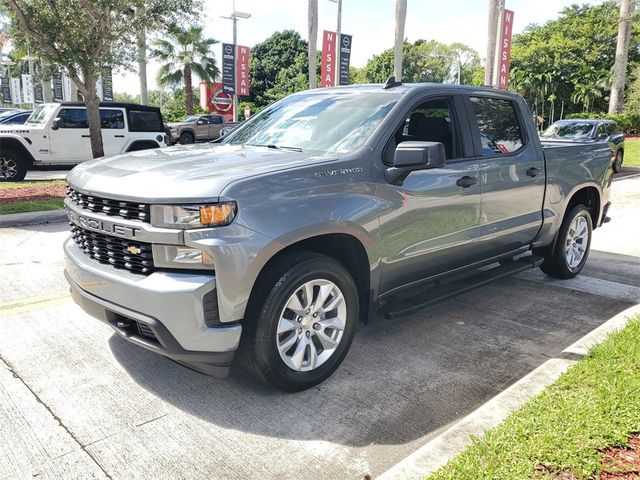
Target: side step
401,307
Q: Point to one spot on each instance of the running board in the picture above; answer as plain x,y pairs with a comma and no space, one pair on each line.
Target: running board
409,305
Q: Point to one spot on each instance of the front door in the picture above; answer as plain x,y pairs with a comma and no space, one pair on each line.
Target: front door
70,143
432,219
511,174
202,128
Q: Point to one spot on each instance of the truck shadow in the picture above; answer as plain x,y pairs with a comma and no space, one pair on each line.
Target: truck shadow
403,379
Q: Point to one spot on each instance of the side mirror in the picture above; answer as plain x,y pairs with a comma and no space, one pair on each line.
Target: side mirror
411,156
200,122
57,123
603,136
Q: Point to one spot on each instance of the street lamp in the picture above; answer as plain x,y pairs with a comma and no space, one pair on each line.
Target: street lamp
234,18
338,41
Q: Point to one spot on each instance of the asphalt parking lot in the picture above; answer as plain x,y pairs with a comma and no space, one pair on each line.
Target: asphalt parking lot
76,401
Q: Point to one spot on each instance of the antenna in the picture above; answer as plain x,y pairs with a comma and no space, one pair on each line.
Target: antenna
391,82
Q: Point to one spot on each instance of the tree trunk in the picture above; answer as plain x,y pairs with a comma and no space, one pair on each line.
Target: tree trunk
616,99
188,90
491,41
313,40
142,66
401,15
92,102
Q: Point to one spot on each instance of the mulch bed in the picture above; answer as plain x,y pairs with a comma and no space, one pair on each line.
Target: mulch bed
35,192
622,463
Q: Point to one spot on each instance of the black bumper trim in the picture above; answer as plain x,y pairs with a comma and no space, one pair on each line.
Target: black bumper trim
215,364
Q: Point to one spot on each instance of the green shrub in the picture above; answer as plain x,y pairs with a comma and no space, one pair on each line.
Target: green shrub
628,122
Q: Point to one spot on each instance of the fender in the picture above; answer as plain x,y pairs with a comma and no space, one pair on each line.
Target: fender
20,143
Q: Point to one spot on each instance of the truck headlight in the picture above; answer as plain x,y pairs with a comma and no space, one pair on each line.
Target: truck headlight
193,216
178,256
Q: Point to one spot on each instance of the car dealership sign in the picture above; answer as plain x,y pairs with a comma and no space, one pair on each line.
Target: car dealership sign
329,60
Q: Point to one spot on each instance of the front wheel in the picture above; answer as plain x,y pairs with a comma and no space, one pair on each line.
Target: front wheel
13,167
617,163
301,328
187,138
572,246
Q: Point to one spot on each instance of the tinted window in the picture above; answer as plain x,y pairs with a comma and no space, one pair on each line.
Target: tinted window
143,121
111,119
500,131
73,118
215,120
570,130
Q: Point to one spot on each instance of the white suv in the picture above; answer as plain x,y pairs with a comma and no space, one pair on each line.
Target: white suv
58,133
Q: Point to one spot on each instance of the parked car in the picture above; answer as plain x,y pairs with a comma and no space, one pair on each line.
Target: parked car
58,133
228,128
197,128
329,203
585,130
14,117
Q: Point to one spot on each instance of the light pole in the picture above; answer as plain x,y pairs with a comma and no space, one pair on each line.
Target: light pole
338,41
234,18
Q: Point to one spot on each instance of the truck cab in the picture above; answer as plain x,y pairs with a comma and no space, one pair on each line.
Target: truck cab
58,133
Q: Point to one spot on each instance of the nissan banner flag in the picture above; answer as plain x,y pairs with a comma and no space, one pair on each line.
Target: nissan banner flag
16,93
57,87
505,49
107,85
328,59
242,71
228,67
345,58
27,88
6,90
38,93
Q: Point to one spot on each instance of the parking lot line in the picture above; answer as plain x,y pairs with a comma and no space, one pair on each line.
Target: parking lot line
34,303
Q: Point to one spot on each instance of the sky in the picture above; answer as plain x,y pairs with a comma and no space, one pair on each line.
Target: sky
371,22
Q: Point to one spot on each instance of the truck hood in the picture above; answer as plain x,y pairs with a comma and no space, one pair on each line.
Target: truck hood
182,174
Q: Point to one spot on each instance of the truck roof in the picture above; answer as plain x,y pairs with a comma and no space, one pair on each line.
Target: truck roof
410,87
128,106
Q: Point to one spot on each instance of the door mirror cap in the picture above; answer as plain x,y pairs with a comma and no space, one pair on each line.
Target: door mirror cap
57,123
603,136
419,155
200,122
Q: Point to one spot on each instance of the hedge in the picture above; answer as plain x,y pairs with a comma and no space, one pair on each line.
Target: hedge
628,122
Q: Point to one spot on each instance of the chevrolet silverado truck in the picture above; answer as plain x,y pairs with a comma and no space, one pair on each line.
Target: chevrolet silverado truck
58,134
326,208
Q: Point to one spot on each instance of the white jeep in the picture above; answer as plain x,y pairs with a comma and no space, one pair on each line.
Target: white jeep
58,133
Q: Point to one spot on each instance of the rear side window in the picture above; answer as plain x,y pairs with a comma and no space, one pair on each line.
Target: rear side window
500,131
144,121
215,120
112,119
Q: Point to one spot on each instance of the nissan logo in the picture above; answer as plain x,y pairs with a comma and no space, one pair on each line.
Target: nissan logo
346,41
228,49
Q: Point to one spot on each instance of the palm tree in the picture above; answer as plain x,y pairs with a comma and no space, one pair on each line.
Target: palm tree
616,98
401,15
313,40
183,53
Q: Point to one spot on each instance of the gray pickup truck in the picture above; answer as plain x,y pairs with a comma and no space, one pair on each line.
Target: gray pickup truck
325,208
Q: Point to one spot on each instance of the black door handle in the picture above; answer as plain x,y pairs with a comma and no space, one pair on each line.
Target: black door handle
119,136
533,171
86,136
466,181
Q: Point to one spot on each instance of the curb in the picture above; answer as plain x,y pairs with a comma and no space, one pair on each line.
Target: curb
32,218
437,452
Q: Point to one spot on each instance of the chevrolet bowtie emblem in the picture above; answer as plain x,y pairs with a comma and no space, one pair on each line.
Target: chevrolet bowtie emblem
134,250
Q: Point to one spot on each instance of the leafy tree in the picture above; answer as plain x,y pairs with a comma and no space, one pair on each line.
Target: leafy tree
278,66
184,52
571,57
427,61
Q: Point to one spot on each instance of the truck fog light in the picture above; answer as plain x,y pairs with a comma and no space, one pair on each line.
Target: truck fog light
177,256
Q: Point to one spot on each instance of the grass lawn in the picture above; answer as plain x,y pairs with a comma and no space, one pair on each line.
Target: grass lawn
33,183
30,205
563,431
632,152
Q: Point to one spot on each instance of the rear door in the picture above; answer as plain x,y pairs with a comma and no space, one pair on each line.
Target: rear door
430,226
512,175
114,130
216,123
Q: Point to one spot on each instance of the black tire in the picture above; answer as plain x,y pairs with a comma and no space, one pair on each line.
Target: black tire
556,263
187,138
258,347
617,163
13,166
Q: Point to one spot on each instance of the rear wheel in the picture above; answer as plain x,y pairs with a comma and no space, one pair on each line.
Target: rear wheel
617,163
13,166
572,246
302,326
187,138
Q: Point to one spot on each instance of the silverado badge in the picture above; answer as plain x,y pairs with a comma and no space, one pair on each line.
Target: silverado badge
133,249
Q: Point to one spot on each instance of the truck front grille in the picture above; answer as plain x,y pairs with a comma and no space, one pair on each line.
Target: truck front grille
124,254
113,208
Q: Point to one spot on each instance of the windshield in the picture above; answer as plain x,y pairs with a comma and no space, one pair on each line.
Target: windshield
569,130
191,119
327,122
41,114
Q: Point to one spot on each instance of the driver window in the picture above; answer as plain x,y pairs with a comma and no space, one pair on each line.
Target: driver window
432,121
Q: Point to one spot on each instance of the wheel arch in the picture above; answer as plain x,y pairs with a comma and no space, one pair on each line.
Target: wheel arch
138,145
14,143
590,197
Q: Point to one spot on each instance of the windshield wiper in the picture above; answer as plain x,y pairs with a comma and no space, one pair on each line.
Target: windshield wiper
276,147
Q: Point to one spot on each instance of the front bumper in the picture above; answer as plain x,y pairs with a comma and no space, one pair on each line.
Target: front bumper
173,322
